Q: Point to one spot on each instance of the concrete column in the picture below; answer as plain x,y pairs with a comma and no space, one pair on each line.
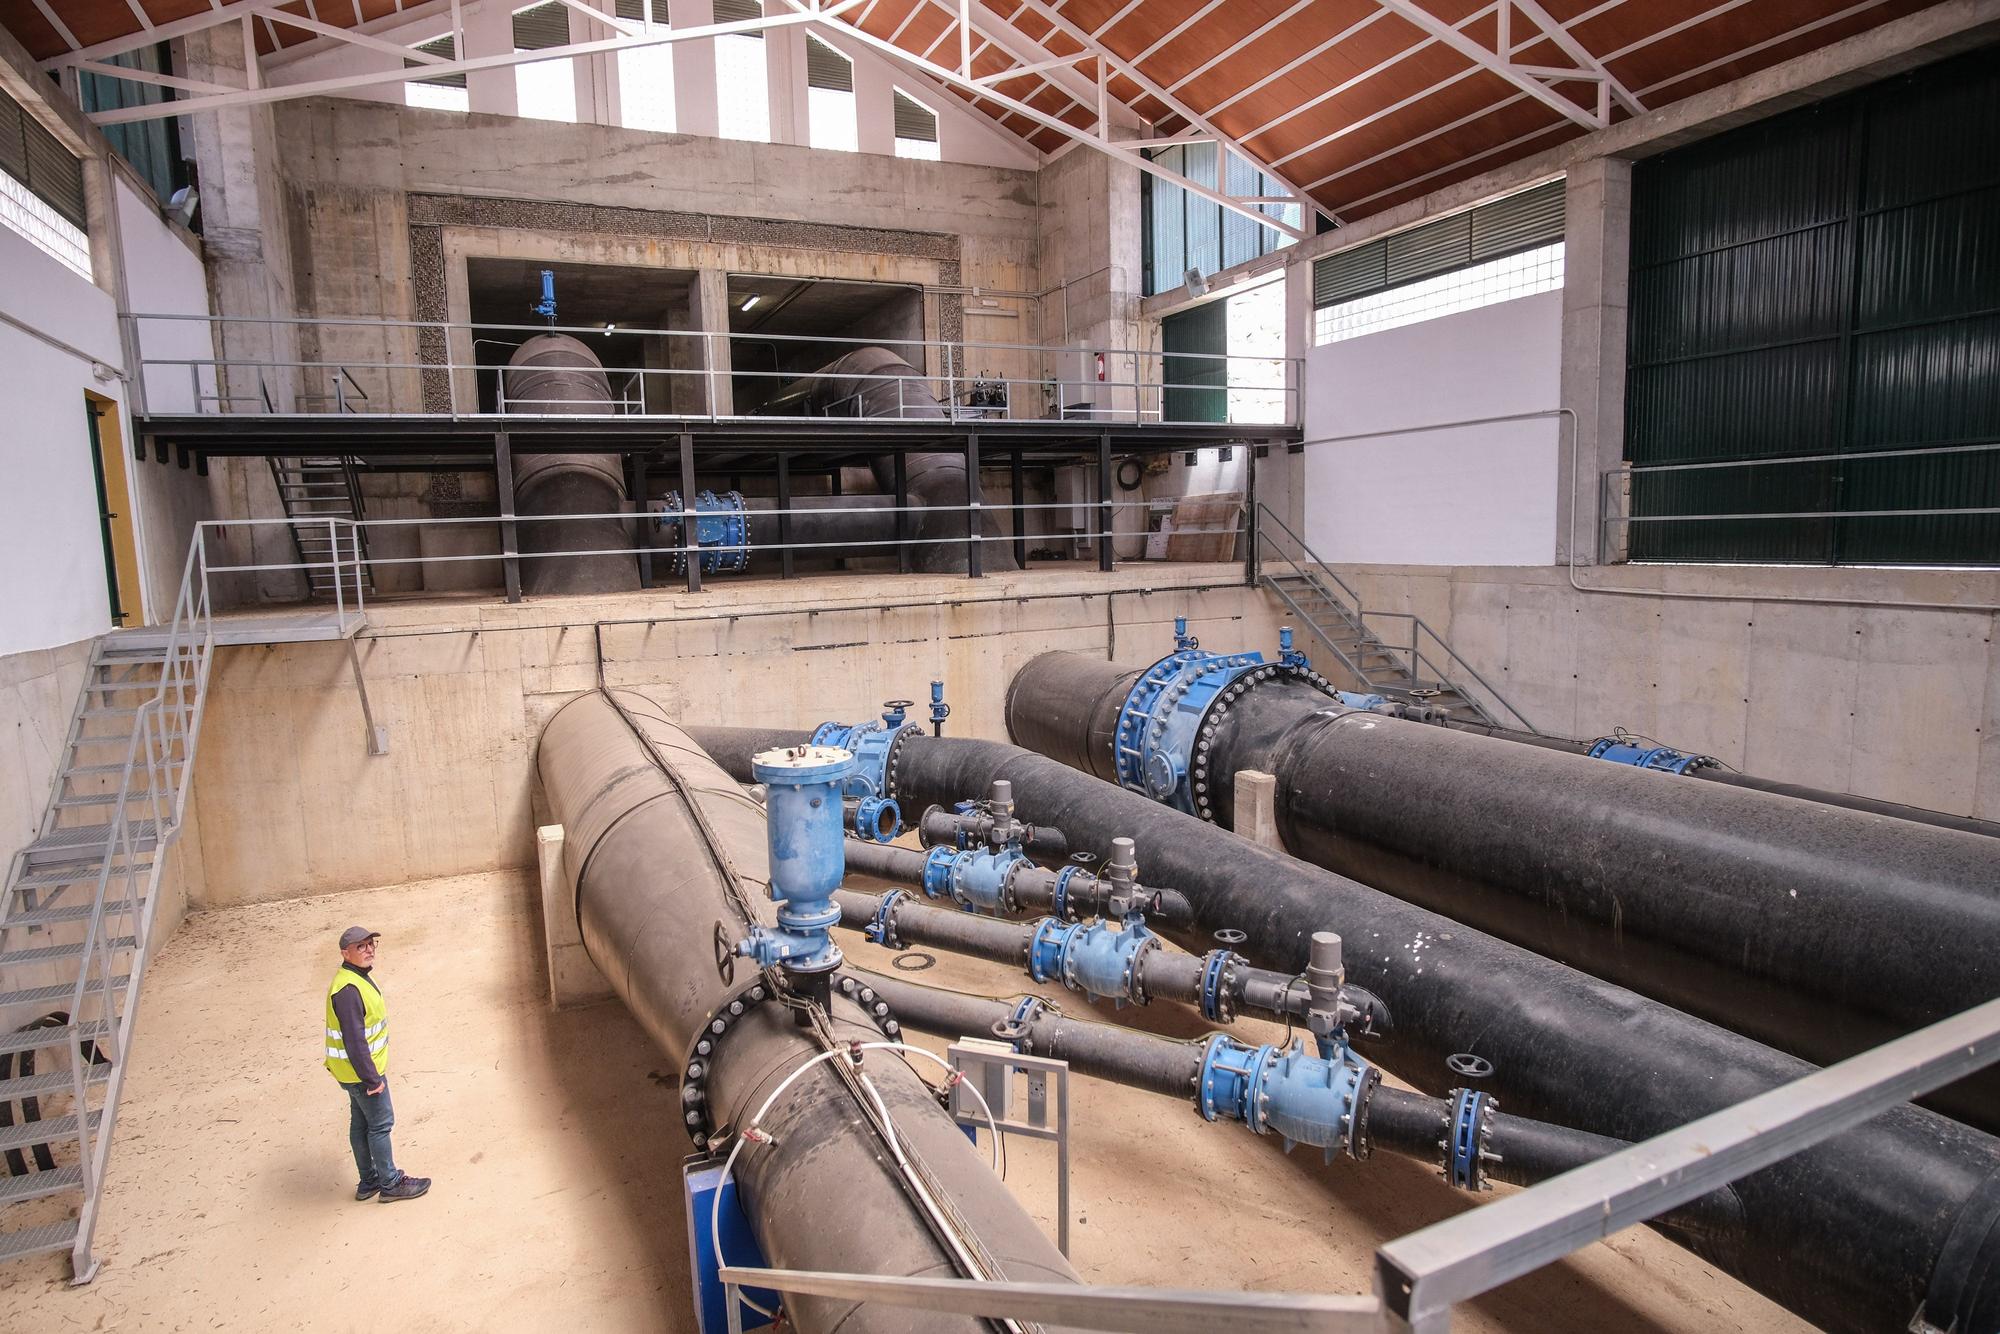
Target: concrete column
489,31
694,72
708,310
1596,274
785,84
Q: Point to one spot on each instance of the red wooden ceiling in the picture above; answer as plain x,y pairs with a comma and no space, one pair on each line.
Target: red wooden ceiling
1344,98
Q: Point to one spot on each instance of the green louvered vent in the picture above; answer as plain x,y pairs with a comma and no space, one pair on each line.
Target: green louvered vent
1522,221
541,27
827,68
914,120
1813,298
739,11
631,9
37,159
442,46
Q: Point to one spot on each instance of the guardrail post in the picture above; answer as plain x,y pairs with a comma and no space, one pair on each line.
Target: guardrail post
1105,559
503,476
635,467
784,515
902,511
690,536
974,529
1017,483
1250,526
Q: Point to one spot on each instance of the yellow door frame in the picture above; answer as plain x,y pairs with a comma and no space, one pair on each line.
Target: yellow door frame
112,464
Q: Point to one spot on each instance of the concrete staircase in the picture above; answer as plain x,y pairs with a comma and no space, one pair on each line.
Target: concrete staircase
323,497
1418,665
76,925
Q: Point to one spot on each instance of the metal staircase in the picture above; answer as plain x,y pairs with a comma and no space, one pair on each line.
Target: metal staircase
1425,668
326,488
76,923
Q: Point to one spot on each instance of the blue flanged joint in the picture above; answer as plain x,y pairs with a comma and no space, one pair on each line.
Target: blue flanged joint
1465,1155
1162,715
1363,702
1289,1092
1059,896
808,859
1288,655
882,930
721,530
1100,960
877,817
1620,750
1217,1002
974,878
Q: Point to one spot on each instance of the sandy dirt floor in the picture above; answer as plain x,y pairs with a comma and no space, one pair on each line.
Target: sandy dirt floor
556,1151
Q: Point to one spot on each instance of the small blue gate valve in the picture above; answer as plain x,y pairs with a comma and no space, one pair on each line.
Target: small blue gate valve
1287,655
808,857
1101,960
974,878
939,709
546,307
1183,641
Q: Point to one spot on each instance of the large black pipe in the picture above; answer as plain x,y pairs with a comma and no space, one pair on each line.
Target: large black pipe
1820,930
1848,1234
1716,773
666,856
556,374
876,382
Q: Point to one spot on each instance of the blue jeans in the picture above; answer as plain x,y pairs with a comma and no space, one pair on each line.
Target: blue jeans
368,1124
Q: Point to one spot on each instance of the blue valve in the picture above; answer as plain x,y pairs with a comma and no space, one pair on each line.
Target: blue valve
808,856
546,307
1288,1091
1619,750
939,709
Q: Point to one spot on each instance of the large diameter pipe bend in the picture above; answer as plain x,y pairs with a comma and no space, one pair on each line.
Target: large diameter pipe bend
666,855
1855,1233
1823,931
554,374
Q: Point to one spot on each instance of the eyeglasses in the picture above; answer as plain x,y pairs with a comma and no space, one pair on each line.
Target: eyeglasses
366,946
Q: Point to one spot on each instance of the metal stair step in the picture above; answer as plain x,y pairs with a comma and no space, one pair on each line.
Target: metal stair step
38,1240
75,769
50,1130
58,991
50,953
55,1081
103,798
34,1039
35,1185
53,879
75,913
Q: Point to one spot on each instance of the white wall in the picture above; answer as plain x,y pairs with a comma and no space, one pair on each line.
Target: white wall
164,276
1482,495
50,543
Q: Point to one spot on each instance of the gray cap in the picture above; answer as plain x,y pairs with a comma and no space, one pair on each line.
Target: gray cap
354,935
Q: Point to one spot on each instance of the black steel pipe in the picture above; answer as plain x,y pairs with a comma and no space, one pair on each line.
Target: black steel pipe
1822,931
666,857
1734,778
1849,1233
556,374
1033,886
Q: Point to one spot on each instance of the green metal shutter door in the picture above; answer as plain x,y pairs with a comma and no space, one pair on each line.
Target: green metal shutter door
1823,283
1197,386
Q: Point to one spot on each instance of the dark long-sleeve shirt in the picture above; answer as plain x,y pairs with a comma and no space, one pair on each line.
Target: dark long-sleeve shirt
347,1009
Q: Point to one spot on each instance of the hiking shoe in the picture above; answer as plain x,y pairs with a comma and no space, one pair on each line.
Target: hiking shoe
364,1191
407,1189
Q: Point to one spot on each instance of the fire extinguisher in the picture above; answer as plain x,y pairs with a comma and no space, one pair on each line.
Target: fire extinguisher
1100,367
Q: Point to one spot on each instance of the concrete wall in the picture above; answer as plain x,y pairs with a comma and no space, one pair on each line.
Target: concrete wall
292,804
1474,495
964,135
1874,696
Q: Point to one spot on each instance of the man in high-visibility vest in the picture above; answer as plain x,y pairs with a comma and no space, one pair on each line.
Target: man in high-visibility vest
357,1054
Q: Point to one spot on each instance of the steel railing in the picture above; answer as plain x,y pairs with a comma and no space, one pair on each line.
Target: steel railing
1047,383
1424,657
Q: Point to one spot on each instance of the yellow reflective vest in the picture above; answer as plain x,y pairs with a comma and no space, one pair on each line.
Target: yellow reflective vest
374,1021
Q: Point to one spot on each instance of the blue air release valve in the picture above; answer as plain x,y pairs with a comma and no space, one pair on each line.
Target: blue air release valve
546,307
939,709
808,860
1620,750
1164,731
877,818
721,530
1289,656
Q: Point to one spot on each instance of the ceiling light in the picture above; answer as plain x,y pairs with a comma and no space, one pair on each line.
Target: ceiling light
749,301
608,329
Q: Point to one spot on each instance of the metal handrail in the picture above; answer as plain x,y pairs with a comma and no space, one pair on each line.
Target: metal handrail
1317,569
